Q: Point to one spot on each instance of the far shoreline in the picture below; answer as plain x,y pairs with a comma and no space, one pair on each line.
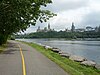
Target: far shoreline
66,39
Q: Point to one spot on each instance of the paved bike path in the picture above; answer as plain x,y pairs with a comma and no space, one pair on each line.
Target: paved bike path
35,62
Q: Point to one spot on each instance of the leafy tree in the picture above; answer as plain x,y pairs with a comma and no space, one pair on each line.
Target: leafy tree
18,15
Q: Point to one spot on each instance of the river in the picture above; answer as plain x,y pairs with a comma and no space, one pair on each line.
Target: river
87,49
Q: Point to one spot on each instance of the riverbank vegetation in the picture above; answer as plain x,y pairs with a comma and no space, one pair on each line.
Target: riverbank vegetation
73,68
61,34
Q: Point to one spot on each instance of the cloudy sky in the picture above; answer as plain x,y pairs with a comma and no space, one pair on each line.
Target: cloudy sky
82,12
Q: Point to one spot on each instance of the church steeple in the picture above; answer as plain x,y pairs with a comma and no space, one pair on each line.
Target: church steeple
73,27
49,26
38,30
46,29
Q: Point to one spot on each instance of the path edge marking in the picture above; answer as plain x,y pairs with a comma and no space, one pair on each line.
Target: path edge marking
23,61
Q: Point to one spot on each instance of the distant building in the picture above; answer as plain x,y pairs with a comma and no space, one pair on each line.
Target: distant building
38,30
66,30
88,28
96,29
49,29
79,30
73,27
99,29
45,29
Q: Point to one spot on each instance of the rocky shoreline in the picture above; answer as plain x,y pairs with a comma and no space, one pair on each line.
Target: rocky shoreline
82,60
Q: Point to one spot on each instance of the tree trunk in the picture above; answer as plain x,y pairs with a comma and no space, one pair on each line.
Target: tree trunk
3,38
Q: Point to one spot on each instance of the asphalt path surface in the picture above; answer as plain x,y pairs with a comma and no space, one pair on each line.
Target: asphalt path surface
21,59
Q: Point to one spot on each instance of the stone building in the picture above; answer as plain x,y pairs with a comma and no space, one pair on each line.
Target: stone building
73,27
46,29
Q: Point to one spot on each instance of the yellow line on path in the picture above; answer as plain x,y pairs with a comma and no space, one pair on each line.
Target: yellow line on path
23,61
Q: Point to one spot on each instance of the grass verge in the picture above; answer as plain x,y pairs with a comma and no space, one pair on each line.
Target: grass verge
71,67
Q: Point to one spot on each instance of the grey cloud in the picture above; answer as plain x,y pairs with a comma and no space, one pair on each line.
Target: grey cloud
92,19
58,6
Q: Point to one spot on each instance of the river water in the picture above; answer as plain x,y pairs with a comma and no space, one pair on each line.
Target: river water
87,49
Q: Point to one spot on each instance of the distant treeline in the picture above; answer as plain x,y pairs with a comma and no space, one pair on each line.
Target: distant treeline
60,34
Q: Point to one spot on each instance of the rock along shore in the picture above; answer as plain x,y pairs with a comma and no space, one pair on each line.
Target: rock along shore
82,60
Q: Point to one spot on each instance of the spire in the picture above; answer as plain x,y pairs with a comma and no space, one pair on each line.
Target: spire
72,23
38,30
38,27
48,26
73,27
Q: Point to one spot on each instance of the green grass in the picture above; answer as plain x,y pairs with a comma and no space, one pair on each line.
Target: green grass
71,67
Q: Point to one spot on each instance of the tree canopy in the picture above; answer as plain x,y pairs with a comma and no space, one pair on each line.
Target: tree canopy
18,15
